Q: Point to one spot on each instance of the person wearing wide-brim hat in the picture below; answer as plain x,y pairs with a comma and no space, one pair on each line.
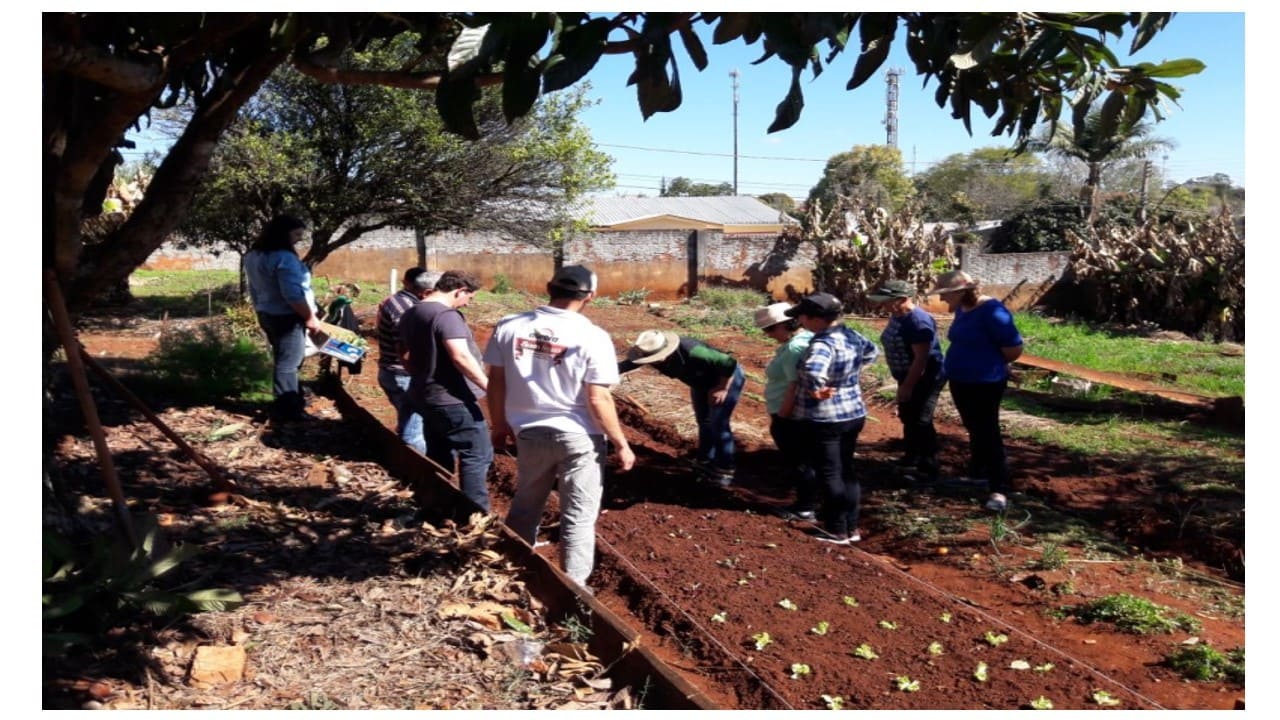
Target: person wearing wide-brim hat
830,408
781,377
984,340
715,383
914,356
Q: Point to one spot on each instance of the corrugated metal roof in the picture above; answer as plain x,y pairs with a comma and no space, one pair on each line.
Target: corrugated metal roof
721,210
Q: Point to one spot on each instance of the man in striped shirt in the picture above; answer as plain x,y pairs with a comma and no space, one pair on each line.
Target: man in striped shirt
393,377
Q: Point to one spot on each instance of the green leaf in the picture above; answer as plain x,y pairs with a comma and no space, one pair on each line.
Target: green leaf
574,53
214,599
226,431
516,624
693,46
1173,68
877,31
788,111
466,46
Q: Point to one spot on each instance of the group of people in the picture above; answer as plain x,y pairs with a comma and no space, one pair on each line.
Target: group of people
813,396
546,376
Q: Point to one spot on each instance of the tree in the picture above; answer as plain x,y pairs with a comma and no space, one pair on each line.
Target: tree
868,174
984,184
1100,141
352,160
104,73
684,187
781,202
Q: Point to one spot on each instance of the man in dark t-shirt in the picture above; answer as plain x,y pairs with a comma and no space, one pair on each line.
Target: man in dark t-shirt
447,381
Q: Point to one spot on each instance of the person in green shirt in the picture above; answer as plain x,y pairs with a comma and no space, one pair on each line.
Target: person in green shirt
715,384
780,379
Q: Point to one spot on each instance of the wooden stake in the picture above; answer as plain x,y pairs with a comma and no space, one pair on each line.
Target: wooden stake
67,337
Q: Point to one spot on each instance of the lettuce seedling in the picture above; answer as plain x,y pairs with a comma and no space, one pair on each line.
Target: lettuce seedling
906,684
850,600
786,604
888,624
833,703
980,672
762,640
995,639
799,670
1102,697
865,652
945,617
821,628
1020,665
935,648
1042,703
720,616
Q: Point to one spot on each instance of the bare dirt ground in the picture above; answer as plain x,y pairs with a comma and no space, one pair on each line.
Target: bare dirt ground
709,570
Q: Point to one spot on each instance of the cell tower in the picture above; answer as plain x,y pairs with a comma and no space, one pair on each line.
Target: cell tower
891,106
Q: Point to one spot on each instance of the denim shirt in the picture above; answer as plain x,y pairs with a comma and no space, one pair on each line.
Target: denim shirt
276,279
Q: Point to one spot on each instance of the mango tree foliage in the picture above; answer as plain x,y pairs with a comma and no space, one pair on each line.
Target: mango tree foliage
867,175
103,73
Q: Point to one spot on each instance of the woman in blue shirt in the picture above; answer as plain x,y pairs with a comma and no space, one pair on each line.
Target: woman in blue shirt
280,287
984,341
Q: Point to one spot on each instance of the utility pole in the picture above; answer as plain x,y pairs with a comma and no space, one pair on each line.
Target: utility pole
734,75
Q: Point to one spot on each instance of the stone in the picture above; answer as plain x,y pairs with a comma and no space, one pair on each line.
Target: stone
215,665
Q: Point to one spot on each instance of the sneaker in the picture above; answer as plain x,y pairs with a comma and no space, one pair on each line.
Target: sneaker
791,512
845,540
997,503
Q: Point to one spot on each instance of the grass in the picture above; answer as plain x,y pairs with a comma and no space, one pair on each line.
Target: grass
1192,366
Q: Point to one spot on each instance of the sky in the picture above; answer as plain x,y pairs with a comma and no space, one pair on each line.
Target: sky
696,140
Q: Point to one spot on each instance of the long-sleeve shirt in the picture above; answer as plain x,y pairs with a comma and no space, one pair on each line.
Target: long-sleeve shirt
694,363
276,279
835,358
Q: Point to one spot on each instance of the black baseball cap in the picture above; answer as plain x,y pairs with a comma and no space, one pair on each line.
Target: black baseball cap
817,304
575,278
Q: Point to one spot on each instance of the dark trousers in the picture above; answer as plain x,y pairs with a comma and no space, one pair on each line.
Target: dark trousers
288,345
789,436
460,430
979,408
832,446
918,432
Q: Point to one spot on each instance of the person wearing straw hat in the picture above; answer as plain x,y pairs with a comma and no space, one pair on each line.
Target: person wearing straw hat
551,371
984,340
781,377
914,356
715,383
830,408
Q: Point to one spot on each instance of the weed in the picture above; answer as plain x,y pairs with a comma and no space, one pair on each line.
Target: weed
315,700
644,692
1066,587
1202,662
502,285
1052,557
233,523
1133,614
575,629
633,297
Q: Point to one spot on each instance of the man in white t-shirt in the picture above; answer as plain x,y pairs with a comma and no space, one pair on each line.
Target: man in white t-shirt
550,374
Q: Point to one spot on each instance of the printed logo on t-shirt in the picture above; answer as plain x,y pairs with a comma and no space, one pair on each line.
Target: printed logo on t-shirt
542,343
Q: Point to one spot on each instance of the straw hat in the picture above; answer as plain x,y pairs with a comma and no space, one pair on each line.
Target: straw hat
653,346
767,317
954,281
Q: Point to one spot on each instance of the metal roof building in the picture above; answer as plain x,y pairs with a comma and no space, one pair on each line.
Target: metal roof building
728,213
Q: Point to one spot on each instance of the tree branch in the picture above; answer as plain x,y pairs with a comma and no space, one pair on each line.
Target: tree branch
97,65
385,78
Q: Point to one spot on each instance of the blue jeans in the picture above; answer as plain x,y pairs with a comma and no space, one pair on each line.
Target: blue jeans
288,346
460,430
715,436
573,465
408,422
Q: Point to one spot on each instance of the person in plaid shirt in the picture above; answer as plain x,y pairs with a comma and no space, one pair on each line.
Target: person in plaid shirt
829,403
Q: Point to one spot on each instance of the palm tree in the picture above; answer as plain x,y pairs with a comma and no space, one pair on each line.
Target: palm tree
1098,145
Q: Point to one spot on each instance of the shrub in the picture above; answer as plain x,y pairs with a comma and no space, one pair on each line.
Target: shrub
212,363
502,285
1202,662
633,297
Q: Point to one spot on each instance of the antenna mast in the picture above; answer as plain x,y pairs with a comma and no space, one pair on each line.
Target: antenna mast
891,106
734,75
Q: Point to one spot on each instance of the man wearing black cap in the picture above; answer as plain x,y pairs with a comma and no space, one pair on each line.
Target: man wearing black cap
829,405
550,376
